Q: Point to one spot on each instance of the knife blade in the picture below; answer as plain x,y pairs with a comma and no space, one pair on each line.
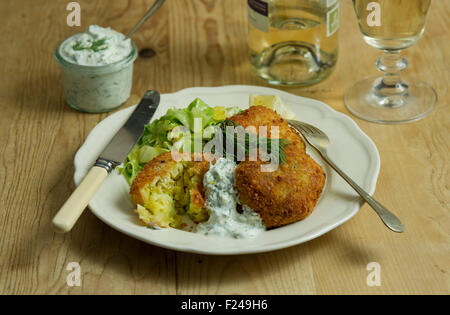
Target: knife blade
113,155
127,136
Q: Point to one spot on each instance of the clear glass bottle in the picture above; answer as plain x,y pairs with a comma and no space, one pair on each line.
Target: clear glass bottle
293,42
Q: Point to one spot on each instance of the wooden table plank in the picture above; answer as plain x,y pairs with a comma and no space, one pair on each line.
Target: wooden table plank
203,43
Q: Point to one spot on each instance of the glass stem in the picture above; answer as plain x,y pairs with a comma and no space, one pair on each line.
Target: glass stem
390,89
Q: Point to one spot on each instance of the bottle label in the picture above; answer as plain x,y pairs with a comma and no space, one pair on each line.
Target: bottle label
258,14
333,20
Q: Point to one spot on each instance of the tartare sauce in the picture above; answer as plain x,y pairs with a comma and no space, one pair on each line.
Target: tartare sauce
97,69
222,200
97,47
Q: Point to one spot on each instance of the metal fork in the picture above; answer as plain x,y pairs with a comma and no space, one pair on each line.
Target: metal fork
319,140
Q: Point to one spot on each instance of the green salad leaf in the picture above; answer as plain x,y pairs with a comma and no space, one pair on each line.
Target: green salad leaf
131,167
200,109
180,116
174,130
155,134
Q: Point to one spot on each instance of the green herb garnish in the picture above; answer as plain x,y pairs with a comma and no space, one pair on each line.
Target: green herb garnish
261,142
79,46
95,46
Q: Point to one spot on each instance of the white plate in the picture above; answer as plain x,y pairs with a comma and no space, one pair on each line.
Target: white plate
350,148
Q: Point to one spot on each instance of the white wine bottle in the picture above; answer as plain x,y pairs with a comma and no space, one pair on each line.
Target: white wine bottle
293,42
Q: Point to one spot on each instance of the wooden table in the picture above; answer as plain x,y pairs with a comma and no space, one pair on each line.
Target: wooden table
203,43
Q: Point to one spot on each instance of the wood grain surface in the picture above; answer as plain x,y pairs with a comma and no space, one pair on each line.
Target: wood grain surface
203,43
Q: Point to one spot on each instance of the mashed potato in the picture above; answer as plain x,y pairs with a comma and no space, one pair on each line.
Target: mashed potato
165,190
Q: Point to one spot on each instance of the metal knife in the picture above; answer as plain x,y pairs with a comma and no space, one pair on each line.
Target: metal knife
113,155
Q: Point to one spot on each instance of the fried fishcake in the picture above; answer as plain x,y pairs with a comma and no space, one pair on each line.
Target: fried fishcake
257,116
288,194
166,189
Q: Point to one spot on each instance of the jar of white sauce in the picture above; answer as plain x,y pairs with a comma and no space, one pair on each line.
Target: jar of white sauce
97,69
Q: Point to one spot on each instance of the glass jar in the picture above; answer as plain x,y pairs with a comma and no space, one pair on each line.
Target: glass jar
97,89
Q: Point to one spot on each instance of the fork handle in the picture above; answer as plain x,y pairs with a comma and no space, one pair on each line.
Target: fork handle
388,218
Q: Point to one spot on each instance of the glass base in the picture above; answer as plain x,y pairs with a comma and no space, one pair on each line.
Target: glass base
367,101
293,63
100,111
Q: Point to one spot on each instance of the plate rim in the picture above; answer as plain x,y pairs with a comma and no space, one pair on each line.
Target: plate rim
326,111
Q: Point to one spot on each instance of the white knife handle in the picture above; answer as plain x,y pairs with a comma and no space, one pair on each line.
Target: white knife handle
69,213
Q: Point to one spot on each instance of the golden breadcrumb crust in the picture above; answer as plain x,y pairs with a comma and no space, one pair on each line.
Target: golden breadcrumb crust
262,116
288,194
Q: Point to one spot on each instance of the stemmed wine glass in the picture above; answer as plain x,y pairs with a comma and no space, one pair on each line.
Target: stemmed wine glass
391,25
